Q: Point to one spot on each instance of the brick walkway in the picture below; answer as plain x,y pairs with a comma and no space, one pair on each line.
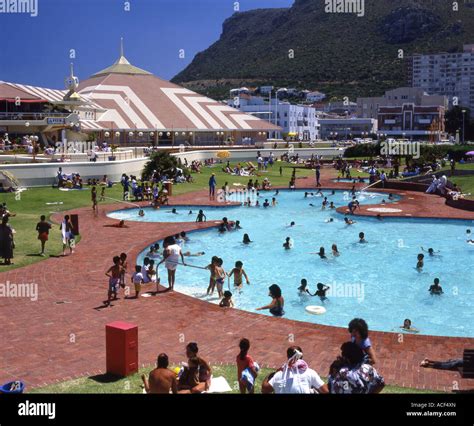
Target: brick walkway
44,342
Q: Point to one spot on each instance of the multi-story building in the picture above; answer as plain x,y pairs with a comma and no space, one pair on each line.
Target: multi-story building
412,122
369,107
347,128
296,121
448,74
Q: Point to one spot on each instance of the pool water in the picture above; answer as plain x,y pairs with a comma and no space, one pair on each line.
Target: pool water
376,280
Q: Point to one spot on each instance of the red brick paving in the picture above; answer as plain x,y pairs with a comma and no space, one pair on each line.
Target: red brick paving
44,342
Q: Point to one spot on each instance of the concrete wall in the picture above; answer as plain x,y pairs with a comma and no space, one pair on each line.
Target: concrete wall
45,174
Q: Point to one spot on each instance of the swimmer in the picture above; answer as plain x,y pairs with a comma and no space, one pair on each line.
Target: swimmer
266,203
383,201
321,253
322,290
141,213
189,254
190,212
379,217
287,244
220,277
291,225
436,289
173,211
237,224
362,239
420,263
430,251
335,251
349,221
277,193
407,327
226,301
324,203
329,220
302,288
390,197
257,203
239,273
333,192
201,217
331,205
246,239
274,202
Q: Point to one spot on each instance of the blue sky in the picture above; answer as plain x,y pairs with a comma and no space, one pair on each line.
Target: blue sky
35,50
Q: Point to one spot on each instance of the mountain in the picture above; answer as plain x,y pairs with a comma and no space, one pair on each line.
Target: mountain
339,54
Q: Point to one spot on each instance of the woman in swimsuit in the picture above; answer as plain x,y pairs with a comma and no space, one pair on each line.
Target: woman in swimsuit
278,302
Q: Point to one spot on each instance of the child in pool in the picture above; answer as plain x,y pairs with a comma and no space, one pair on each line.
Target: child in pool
321,292
430,251
227,302
302,289
335,251
362,239
287,244
220,277
436,289
212,280
420,263
349,221
238,272
246,239
407,327
274,202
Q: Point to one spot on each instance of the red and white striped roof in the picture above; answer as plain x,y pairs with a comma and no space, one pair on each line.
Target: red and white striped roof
141,101
23,91
125,97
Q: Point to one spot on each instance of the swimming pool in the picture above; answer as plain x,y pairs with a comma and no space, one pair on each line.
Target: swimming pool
376,281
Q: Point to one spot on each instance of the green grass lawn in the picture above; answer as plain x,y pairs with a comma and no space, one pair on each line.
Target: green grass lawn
33,204
133,384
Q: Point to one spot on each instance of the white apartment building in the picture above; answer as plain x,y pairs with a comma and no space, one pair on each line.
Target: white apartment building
449,74
297,121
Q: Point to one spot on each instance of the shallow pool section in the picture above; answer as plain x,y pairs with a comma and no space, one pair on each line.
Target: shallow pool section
376,280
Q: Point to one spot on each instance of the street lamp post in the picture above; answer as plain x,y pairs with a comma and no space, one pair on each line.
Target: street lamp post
463,125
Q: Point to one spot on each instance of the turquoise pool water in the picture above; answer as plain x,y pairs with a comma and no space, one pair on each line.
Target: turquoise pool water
376,281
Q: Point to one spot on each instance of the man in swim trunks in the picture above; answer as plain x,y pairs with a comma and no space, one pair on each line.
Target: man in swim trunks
161,380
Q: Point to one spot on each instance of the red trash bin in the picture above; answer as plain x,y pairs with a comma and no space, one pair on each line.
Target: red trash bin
121,348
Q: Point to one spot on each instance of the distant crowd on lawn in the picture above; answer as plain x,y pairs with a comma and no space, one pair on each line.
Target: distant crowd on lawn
351,372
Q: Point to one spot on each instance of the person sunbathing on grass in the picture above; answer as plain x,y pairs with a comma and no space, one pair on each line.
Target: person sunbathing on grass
161,380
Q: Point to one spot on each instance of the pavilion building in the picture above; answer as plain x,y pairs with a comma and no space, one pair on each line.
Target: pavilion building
124,105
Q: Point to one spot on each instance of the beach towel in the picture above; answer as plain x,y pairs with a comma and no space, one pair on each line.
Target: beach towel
219,385
247,377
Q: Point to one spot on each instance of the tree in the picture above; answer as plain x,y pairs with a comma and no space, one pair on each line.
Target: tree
163,163
454,122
